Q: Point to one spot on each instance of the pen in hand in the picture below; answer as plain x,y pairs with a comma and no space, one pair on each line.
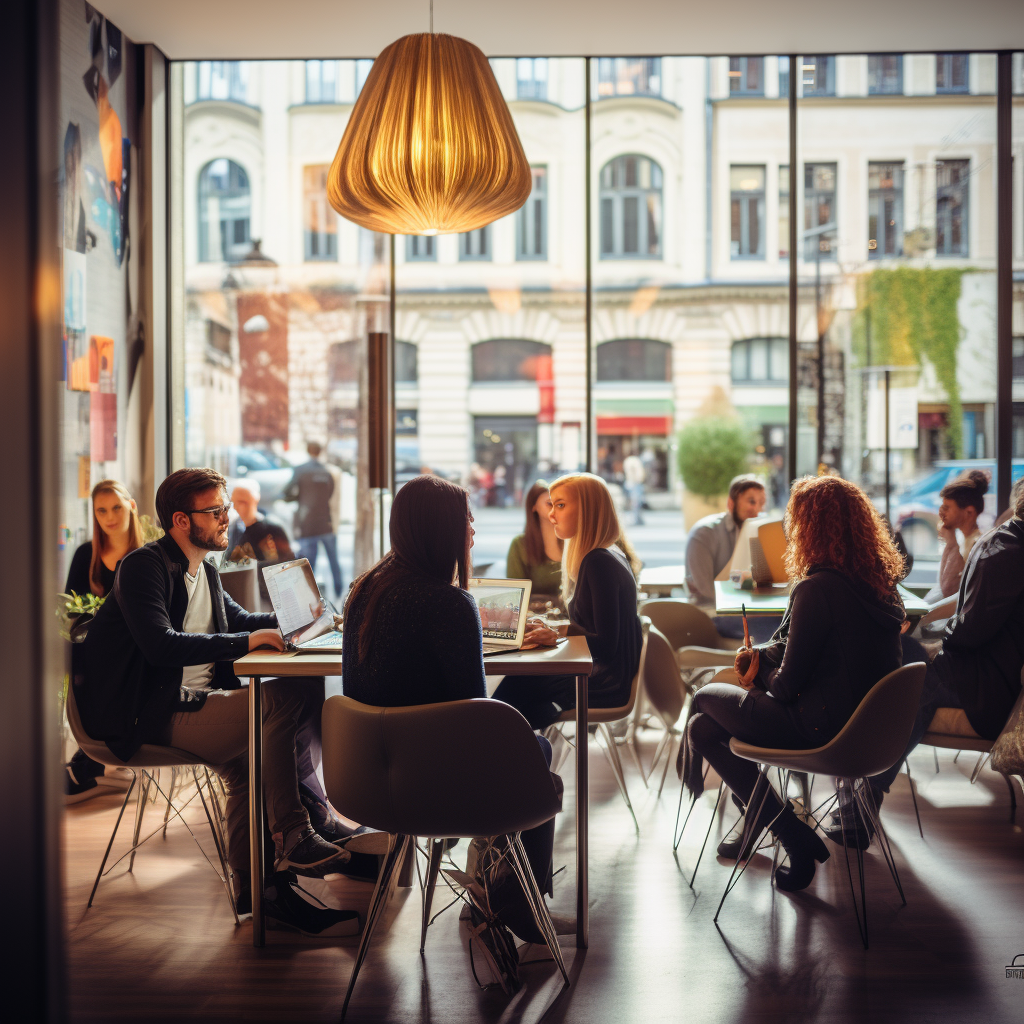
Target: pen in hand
746,628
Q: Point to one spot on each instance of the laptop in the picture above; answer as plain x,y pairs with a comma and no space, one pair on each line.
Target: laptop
305,620
504,607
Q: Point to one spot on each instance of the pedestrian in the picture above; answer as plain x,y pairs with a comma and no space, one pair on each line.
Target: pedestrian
312,486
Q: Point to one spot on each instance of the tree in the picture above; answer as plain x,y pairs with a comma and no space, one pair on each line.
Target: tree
711,452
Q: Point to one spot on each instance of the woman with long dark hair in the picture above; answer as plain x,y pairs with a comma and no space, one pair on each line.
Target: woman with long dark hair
412,636
839,636
536,554
116,530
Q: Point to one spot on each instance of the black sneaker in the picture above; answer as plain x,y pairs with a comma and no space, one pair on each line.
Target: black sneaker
312,856
367,840
75,792
290,908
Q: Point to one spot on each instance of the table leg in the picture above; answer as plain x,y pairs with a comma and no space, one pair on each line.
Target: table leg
256,828
582,811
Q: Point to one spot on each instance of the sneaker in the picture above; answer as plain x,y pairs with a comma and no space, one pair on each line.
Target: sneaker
115,778
367,840
288,907
493,957
312,856
75,792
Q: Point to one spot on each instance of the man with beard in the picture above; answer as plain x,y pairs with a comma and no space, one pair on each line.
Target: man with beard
156,668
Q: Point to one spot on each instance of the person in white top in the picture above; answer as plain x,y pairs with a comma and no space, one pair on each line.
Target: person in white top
635,474
963,501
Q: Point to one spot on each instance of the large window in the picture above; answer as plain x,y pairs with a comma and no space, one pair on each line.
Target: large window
885,210
475,245
420,248
508,360
631,208
818,75
747,212
746,76
321,81
320,237
951,73
224,210
819,210
532,78
885,74
760,361
783,212
532,220
628,76
222,80
634,359
952,181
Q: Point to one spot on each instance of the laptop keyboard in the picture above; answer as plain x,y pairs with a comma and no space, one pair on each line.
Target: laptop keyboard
332,639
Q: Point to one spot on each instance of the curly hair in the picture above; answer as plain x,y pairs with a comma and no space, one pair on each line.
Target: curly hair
830,522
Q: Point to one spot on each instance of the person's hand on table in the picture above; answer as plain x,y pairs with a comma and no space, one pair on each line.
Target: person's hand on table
746,664
266,638
337,622
540,634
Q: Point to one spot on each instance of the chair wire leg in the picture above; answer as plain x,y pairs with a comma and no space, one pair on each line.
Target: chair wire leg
935,754
871,814
139,809
677,832
170,797
612,753
849,810
217,839
913,796
113,835
1013,800
664,742
707,835
664,771
541,915
397,850
433,867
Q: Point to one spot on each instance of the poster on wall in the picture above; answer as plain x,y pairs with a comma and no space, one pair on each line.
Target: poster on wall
102,426
76,349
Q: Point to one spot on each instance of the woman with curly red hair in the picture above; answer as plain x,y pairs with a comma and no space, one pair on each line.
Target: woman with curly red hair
840,635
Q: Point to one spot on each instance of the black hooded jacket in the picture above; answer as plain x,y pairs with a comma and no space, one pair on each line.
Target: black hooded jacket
129,671
837,639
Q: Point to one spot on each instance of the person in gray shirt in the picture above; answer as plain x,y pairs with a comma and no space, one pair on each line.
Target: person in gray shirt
710,546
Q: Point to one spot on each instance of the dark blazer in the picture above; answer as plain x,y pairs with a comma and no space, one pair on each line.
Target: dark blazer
128,674
836,640
311,486
78,574
983,645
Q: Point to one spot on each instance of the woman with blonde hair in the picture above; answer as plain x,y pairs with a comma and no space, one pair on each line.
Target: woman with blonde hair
599,570
116,530
839,636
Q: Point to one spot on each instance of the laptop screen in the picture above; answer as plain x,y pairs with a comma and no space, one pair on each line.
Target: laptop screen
296,599
501,605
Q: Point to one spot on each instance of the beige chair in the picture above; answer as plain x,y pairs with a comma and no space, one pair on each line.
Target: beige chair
951,729
603,717
691,633
664,689
243,584
871,742
148,758
463,769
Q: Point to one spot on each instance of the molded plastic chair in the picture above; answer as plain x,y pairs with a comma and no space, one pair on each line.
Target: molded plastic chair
603,717
871,742
664,688
691,633
463,769
149,757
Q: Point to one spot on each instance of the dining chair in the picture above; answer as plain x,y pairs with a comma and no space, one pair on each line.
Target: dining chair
664,689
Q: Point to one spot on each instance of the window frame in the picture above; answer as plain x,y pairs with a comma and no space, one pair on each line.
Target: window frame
613,73
875,90
615,347
533,87
739,73
534,210
232,250
614,198
484,253
829,88
877,197
320,65
529,349
950,191
745,197
808,195
237,76
776,349
413,242
324,214
948,60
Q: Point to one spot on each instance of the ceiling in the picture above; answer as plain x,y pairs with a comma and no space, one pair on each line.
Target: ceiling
255,29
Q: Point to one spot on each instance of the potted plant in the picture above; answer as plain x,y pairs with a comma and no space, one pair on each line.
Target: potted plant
711,451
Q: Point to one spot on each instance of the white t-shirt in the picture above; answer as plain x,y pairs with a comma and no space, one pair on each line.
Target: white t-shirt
198,619
969,542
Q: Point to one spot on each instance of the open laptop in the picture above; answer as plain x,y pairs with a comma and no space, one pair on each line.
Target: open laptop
305,620
504,607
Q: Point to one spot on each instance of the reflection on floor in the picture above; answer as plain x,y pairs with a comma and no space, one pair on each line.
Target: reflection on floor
160,945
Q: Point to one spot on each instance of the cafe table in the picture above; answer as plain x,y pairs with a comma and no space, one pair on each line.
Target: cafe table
571,657
774,600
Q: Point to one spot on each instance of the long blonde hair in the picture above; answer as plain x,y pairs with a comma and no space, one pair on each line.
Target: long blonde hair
597,526
99,538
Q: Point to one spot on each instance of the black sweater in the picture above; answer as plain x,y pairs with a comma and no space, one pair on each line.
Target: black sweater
128,676
78,574
603,609
426,646
837,639
983,646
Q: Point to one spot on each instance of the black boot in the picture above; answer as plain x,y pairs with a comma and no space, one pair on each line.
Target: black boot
804,847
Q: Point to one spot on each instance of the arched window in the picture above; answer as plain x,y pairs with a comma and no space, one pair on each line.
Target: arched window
224,204
634,359
511,359
343,363
760,361
631,208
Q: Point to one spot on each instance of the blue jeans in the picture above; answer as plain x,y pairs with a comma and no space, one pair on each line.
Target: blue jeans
308,549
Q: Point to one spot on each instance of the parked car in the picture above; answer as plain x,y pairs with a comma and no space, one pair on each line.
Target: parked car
342,452
916,509
270,470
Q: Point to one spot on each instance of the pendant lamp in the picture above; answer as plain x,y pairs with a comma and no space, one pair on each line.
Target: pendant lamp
430,147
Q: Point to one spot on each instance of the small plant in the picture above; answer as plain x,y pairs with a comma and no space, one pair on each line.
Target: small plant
150,531
74,611
712,450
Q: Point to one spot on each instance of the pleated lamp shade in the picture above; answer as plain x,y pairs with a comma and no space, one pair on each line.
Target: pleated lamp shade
430,147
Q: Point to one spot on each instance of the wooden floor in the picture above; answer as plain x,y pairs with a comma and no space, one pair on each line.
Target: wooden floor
160,944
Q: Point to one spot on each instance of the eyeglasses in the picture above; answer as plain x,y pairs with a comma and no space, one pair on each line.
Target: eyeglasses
217,511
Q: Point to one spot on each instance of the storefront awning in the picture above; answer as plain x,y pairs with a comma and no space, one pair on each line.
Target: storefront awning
658,426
